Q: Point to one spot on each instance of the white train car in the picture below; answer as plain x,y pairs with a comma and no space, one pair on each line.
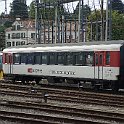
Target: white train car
99,63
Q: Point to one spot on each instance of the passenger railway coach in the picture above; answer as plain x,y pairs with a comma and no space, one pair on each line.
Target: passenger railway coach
101,63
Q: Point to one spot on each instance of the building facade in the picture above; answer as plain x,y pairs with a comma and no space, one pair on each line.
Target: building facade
21,33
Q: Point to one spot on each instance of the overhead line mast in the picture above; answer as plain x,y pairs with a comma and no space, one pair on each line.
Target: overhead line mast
5,6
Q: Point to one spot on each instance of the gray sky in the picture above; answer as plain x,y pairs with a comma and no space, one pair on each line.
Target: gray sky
2,5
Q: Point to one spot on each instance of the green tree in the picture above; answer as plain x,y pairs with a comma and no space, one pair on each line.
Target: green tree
85,11
32,10
117,25
47,11
95,19
19,9
2,37
118,5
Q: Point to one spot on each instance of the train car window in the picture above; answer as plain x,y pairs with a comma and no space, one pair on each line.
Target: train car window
23,58
16,58
60,58
69,58
6,58
44,58
96,59
37,58
80,58
30,58
51,58
90,58
101,59
107,58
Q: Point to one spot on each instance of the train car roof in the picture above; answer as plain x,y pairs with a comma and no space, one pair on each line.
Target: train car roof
111,47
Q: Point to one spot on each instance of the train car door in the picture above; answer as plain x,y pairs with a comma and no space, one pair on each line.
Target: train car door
99,62
8,62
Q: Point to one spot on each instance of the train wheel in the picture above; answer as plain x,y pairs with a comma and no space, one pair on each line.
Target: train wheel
37,81
50,80
72,81
114,86
105,85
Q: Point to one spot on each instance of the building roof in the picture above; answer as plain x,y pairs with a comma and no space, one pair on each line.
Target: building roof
24,25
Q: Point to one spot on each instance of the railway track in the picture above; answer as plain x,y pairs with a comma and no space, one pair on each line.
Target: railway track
67,113
66,98
65,95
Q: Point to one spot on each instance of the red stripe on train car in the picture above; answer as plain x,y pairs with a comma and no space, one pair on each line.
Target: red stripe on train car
115,58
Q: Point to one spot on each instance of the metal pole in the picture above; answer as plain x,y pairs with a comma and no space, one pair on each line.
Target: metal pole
37,22
110,20
83,25
79,21
91,33
5,6
106,32
56,25
102,23
36,19
62,28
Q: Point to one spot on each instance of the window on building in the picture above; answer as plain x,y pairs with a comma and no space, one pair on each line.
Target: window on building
107,58
21,35
8,36
13,43
8,44
22,42
18,27
17,35
13,35
17,43
33,35
70,36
